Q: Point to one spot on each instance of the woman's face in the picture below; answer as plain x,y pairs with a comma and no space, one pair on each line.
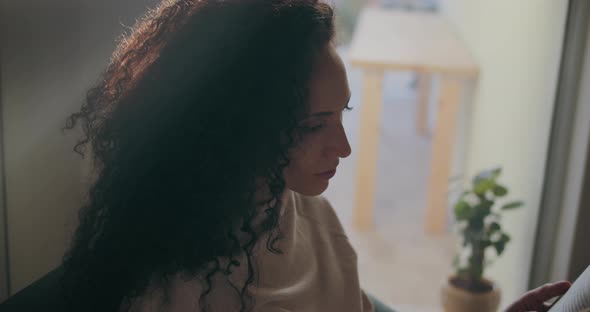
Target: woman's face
323,142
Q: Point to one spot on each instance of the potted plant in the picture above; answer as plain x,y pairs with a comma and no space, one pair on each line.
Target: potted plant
478,216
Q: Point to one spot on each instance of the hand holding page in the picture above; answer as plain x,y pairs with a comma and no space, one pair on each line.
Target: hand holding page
535,300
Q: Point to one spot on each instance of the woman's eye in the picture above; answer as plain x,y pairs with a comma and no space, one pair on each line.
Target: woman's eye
348,108
316,128
313,128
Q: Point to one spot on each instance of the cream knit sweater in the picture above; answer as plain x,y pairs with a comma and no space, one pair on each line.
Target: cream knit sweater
316,272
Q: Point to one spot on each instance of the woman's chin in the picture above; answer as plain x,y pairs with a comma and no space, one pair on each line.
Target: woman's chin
311,189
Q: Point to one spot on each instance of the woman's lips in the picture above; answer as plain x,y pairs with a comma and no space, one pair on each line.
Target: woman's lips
327,174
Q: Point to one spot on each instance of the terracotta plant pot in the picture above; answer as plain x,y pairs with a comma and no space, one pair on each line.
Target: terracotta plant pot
455,299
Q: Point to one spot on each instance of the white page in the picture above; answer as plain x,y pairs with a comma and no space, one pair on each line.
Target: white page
577,298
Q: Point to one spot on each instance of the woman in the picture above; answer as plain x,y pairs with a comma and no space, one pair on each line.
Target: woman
213,129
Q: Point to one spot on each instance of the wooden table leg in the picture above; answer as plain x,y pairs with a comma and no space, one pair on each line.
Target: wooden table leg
368,149
442,152
422,101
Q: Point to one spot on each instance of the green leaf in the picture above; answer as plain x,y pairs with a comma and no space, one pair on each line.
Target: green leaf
494,227
499,246
512,205
495,172
489,174
485,180
486,203
462,210
505,238
500,190
483,186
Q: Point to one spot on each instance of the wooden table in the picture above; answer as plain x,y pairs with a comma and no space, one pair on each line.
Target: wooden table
426,44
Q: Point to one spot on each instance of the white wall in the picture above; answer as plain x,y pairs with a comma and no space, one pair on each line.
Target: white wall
518,46
52,52
40,85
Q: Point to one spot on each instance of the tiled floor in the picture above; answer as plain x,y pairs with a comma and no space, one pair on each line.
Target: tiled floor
398,263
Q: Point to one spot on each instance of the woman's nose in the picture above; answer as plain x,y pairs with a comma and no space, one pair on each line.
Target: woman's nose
340,145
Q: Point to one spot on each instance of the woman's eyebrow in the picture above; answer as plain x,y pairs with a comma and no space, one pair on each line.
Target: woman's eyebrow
322,114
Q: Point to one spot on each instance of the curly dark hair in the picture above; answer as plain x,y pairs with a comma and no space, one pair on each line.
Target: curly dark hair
196,111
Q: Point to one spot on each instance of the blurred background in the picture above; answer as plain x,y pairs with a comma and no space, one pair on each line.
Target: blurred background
454,87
